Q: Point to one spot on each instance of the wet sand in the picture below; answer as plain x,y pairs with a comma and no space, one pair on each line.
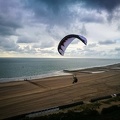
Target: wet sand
23,97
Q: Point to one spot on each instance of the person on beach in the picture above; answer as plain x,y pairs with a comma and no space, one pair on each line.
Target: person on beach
75,79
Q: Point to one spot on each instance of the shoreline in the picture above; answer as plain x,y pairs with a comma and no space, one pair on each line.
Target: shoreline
42,76
53,74
23,97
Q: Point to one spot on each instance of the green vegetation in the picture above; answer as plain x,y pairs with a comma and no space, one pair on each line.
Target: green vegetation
114,99
89,111
85,115
90,106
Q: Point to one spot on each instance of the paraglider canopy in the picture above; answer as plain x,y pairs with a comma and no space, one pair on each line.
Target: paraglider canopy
67,40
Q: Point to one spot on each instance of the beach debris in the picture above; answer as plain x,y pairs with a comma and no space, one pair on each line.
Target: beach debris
114,95
67,40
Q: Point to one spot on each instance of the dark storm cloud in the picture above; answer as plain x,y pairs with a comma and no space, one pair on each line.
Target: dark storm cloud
23,39
117,49
51,12
11,46
17,17
107,42
91,18
56,5
43,45
8,27
8,45
58,11
9,19
108,5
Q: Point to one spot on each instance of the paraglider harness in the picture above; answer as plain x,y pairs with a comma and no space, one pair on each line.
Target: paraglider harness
75,79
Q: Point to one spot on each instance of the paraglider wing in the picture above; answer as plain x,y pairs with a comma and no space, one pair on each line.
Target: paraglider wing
67,40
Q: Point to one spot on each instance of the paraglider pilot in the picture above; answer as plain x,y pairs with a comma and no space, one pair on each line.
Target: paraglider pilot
75,79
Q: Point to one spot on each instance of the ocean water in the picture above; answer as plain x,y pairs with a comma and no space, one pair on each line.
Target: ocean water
30,68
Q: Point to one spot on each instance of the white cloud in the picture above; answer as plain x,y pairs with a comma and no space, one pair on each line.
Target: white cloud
29,29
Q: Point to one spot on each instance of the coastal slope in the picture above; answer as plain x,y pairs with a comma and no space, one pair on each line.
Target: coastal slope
22,97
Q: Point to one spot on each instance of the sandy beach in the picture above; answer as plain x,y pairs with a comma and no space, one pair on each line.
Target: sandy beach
27,96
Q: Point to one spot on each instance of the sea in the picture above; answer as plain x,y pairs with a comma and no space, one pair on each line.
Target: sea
16,69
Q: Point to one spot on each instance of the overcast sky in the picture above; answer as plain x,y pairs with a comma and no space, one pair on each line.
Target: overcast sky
34,28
